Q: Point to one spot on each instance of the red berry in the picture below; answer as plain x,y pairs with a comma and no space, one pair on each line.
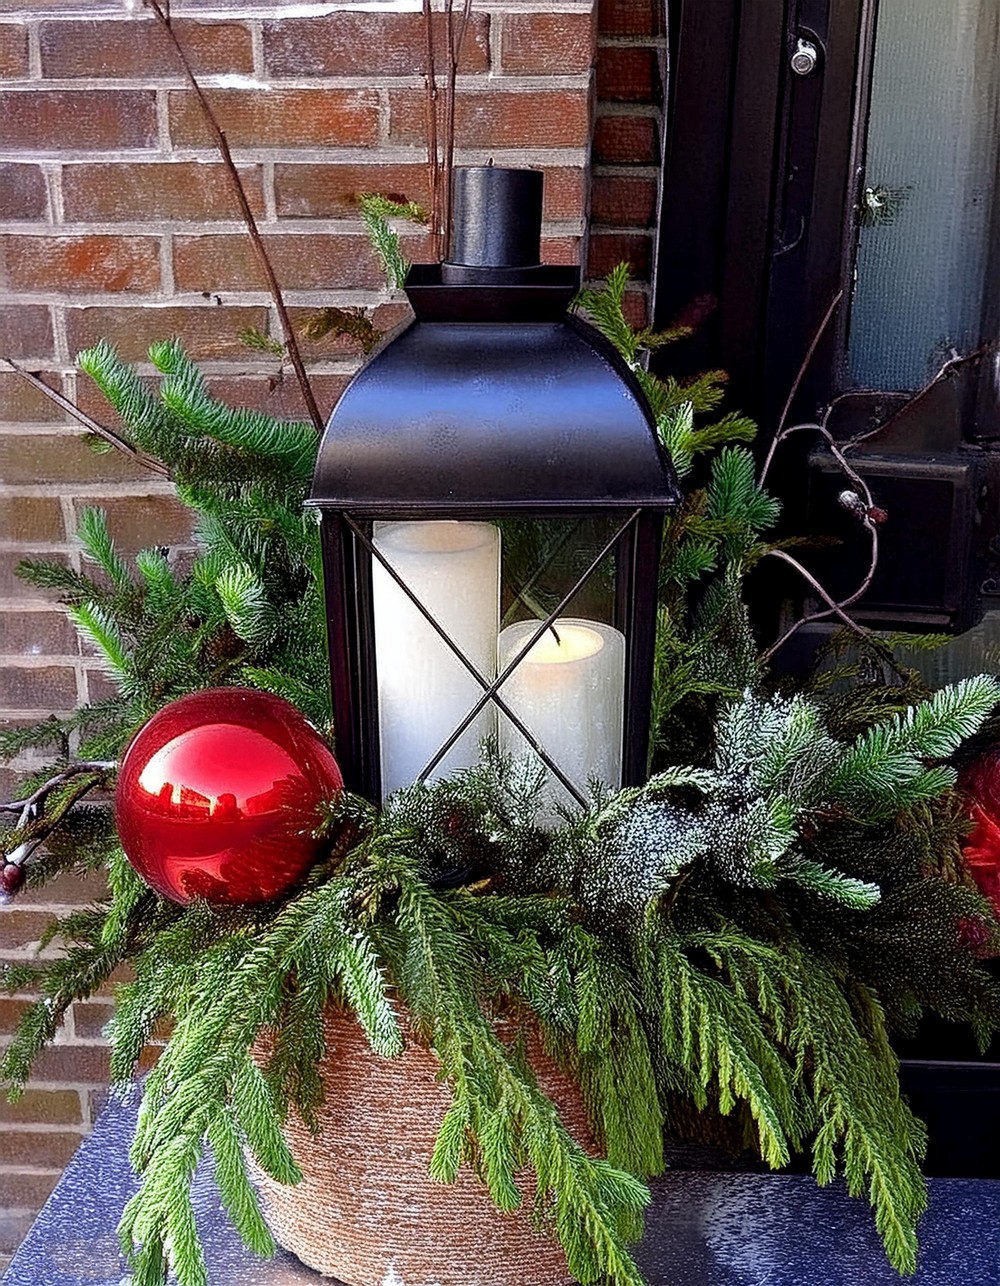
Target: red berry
11,878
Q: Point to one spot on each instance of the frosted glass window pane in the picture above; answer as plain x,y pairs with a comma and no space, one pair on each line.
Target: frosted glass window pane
932,157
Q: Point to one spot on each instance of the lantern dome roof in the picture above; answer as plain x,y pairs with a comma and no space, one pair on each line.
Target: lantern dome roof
492,400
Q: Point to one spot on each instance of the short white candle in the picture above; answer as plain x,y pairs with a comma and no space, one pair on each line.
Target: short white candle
569,691
424,691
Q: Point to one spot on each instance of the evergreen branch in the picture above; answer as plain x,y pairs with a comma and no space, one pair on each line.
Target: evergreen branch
376,211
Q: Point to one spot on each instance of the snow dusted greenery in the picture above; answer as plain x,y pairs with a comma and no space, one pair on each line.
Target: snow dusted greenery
725,949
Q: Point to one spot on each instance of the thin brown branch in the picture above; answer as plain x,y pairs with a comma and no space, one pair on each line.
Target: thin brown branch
836,450
834,608
430,110
91,425
448,163
38,797
31,815
953,364
257,241
779,432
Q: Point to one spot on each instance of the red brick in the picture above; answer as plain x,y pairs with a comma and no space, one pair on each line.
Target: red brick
25,331
11,586
138,50
66,889
280,118
14,1225
157,190
50,687
279,397
318,262
67,457
325,191
80,264
608,249
11,1013
46,1107
53,119
23,193
21,401
205,332
20,929
137,522
535,118
367,44
628,75
36,634
561,250
91,1017
100,686
546,43
630,17
626,140
48,1149
622,201
73,1065
20,1191
564,193
13,50
35,519
635,306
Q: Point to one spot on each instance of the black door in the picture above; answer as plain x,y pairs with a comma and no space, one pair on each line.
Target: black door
846,150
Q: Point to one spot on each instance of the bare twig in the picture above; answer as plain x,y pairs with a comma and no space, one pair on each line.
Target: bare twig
779,434
865,509
833,608
430,109
954,363
38,797
99,430
441,151
260,250
32,808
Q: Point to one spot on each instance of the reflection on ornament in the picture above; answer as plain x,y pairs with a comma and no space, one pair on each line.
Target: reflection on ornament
219,794
980,782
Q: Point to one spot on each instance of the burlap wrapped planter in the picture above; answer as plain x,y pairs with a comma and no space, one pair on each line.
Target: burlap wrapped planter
366,1211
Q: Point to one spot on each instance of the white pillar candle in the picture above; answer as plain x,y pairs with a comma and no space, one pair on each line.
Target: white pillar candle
569,691
424,691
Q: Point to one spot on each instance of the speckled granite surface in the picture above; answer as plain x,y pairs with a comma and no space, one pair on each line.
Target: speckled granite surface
704,1229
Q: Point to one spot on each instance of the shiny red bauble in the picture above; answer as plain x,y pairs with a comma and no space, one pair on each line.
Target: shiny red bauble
980,782
219,794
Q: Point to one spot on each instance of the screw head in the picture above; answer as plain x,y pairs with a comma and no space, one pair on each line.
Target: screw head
805,58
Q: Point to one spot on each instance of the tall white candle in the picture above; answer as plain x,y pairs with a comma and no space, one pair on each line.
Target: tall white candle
569,691
424,691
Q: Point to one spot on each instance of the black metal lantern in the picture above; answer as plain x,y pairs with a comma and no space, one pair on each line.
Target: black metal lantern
496,431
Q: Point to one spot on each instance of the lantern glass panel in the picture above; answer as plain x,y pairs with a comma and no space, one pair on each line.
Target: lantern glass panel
533,657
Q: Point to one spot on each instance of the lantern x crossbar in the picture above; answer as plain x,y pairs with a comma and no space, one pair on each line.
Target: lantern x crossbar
491,689
520,595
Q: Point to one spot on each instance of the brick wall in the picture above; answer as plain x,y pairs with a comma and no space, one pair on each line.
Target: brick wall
116,221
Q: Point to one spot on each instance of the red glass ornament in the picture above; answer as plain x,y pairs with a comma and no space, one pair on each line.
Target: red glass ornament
980,781
218,796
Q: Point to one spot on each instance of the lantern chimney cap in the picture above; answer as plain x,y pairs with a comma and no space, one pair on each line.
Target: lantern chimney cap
496,226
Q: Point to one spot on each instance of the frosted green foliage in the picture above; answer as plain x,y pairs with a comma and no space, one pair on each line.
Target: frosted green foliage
775,772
